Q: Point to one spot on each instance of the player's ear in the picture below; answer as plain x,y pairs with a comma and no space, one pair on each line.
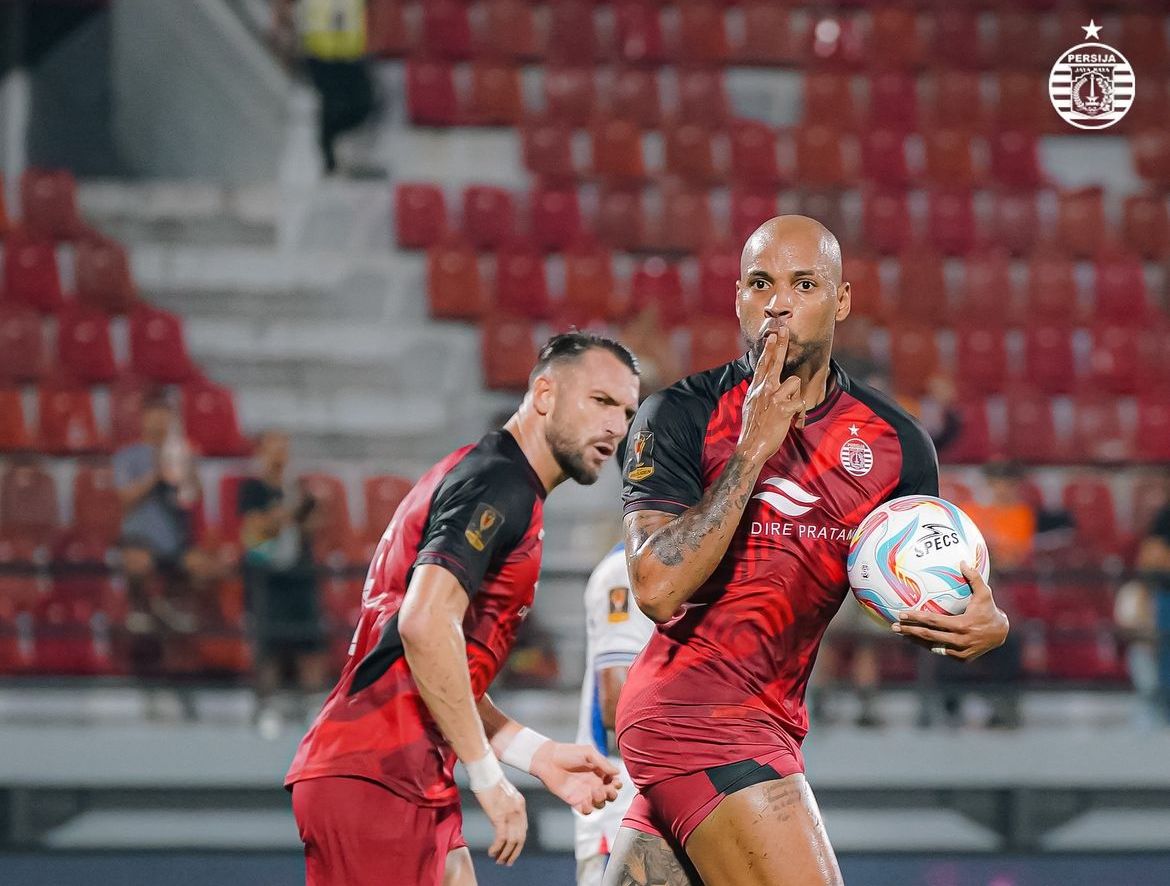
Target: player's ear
543,393
844,302
738,289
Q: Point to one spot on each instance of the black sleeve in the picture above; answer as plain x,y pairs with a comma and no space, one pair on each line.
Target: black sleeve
1160,528
477,517
919,461
663,469
253,496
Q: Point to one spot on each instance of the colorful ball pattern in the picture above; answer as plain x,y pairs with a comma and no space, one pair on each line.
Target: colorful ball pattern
905,556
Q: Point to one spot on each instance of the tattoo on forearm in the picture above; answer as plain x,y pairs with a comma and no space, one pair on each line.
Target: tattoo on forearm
649,861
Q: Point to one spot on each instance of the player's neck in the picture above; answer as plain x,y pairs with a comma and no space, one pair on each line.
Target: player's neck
526,431
814,384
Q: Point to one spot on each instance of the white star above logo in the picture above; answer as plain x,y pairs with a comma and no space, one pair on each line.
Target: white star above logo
1092,30
853,430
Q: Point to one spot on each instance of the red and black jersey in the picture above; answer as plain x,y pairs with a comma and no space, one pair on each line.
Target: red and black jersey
736,660
478,513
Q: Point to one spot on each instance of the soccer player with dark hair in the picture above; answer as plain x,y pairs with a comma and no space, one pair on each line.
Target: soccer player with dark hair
743,485
454,575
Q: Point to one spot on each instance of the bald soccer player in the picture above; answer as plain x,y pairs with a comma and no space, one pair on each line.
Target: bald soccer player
455,573
743,485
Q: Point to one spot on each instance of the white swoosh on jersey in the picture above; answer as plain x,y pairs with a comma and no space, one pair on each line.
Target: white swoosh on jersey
790,500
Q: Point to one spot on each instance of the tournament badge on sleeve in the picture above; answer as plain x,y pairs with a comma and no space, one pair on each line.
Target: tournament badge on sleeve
485,522
641,456
1092,85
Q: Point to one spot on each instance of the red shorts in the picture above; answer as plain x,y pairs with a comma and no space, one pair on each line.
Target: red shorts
674,807
359,833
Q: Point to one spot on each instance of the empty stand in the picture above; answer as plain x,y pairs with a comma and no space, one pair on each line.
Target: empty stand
420,215
30,273
48,200
157,349
209,417
67,422
383,494
22,345
102,271
455,289
84,348
28,502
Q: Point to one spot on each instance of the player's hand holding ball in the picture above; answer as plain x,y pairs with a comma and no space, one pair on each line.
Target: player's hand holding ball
577,774
771,405
981,628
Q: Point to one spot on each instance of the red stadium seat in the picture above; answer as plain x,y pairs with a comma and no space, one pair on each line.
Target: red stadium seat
1023,104
948,157
820,159
22,347
495,94
569,94
621,219
14,435
209,417
656,282
126,397
1146,226
1152,437
521,285
951,221
548,150
956,41
84,348
430,93
685,224
572,34
1151,155
509,32
1143,34
702,96
66,642
886,221
229,507
49,202
590,293
1049,362
828,100
718,272
973,443
895,40
638,33
1014,160
988,295
922,288
102,269
866,289
554,218
617,150
1150,108
30,273
753,154
689,153
1031,432
489,216
981,360
769,36
328,491
386,32
714,341
1153,348
1019,36
893,101
28,502
913,358
1120,291
750,209
1015,223
957,101
837,41
382,495
446,30
97,509
420,215
1080,222
1051,292
67,422
1090,503
883,157
827,206
509,352
701,38
1099,434
634,97
157,349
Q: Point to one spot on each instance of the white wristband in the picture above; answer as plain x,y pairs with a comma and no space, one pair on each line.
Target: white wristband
484,773
522,748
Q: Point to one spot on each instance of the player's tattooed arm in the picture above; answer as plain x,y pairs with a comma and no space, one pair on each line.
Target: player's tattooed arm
641,859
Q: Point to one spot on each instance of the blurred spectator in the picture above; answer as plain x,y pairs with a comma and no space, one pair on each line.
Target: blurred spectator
280,580
1136,612
331,35
1008,520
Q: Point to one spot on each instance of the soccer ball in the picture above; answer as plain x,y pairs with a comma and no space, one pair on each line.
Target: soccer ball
905,556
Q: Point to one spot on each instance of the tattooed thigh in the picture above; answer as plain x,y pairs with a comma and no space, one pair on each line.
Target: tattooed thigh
641,859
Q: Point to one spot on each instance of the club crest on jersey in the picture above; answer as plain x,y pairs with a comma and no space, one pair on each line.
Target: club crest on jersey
485,522
619,604
641,456
856,456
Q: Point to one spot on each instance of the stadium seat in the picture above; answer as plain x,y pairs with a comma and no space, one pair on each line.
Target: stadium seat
867,292
229,507
67,422
430,93
950,221
702,96
1152,437
126,397
382,494
685,224
657,282
770,36
420,215
948,157
65,641
1146,226
548,150
14,436
1151,156
714,340
973,444
157,349
837,42
22,346
753,154
922,288
1099,433
1080,222
1023,104
28,502
1049,362
386,32
446,30
1150,108
715,289
1031,432
749,209
1153,348
97,509
495,94
1019,37
689,153
569,94
1090,503
590,292
209,417
103,279
617,150
893,101
48,201
956,101
521,285
820,159
84,349
1120,291
1014,161
913,358
980,360
1051,292
455,289
1081,647
1015,223
634,97
895,39
554,218
700,37
509,352
509,32
828,101
956,41
987,297
30,273
489,216
885,221
638,33
328,491
828,206
1143,34
572,33
621,218
883,157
